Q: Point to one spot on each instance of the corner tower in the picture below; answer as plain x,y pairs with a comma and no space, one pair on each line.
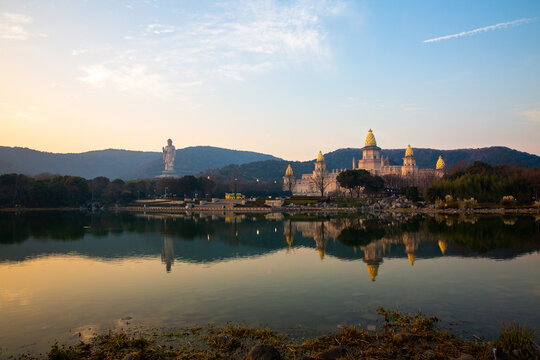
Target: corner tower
320,164
440,167
409,163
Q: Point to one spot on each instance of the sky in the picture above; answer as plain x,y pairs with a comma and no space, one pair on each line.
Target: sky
287,78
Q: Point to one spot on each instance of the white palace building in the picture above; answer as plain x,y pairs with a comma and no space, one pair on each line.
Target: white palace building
371,161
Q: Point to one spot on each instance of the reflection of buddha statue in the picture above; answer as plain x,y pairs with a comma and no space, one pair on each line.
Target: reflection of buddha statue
167,254
443,245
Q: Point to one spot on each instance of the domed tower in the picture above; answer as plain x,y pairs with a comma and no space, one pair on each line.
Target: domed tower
320,164
371,155
288,179
409,167
440,167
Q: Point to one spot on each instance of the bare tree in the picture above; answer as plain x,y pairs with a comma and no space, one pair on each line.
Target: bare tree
289,182
320,181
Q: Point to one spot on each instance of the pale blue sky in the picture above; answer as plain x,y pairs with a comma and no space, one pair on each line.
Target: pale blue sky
287,78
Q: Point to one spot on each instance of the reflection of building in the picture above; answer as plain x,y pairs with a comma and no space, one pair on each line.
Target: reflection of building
411,241
443,245
371,161
167,253
288,231
320,231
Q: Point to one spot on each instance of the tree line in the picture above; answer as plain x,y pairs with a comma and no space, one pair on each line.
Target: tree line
487,183
17,190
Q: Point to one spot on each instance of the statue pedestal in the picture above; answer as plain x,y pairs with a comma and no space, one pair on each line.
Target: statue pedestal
168,174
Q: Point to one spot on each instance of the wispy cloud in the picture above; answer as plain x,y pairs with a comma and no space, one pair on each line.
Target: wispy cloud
231,41
503,25
12,26
532,115
16,113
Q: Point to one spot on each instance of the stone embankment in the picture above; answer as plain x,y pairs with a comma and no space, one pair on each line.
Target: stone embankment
390,204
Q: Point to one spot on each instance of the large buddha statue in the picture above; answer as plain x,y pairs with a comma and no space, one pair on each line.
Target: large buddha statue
169,152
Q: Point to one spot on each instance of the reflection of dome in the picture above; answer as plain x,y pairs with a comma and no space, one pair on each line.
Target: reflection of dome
440,163
320,157
443,245
289,171
321,253
411,257
373,271
409,151
289,239
370,139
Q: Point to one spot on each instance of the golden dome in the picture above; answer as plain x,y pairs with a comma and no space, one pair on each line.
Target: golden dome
320,157
443,245
370,139
373,271
321,253
411,257
289,171
409,151
440,164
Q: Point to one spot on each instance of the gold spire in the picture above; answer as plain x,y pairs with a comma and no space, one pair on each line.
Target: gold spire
289,171
320,157
409,151
443,245
440,163
373,271
370,139
411,257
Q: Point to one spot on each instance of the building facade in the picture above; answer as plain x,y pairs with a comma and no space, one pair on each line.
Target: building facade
324,182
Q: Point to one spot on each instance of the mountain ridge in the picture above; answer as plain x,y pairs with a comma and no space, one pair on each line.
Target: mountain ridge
226,163
342,159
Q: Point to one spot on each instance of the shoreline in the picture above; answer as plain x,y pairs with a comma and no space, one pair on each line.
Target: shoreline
302,209
400,336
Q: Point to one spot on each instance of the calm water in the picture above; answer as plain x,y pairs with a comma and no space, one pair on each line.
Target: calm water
62,273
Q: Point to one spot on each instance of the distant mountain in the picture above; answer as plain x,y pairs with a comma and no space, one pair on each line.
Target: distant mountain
127,165
342,159
123,164
196,159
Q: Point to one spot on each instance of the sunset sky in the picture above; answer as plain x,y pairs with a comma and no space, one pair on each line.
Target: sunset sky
288,78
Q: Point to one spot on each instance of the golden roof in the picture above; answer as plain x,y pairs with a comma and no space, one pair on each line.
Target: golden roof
373,271
440,163
370,139
320,157
289,171
409,151
443,245
411,257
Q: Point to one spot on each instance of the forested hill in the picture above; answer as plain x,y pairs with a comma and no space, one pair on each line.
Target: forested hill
342,159
123,164
194,160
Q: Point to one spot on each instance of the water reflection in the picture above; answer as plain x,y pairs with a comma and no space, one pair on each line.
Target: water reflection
273,269
348,238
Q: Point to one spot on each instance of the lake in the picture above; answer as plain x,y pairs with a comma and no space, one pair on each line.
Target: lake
65,273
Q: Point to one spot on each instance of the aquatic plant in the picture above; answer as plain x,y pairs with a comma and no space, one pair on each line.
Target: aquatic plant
518,340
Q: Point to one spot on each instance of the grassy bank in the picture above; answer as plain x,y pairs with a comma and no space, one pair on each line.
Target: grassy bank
401,337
